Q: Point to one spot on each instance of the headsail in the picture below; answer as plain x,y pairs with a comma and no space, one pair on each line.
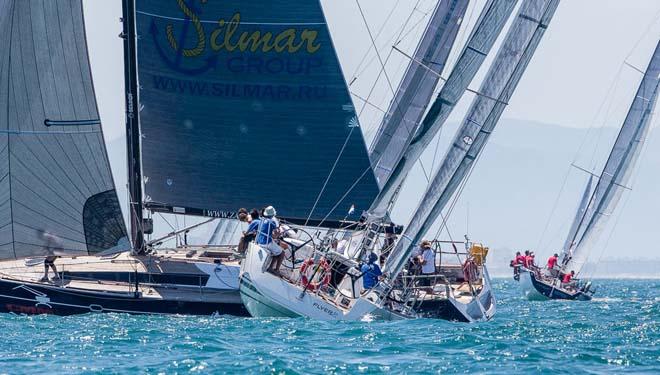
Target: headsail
245,105
619,165
56,187
582,208
500,82
483,36
416,88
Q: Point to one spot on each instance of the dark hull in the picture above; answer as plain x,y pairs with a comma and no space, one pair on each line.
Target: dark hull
550,292
441,309
31,298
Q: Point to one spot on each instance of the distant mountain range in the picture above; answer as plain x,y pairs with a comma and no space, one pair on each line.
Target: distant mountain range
515,184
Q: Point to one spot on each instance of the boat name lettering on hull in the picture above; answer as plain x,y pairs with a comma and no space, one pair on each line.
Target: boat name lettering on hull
324,309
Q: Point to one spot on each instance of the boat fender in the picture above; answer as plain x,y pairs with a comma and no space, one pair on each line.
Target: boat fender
307,271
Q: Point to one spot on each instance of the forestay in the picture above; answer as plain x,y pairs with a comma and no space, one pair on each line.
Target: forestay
56,187
582,208
619,165
500,82
244,104
416,88
488,27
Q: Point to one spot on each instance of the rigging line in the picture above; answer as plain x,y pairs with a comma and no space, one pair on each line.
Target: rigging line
617,173
382,64
443,79
396,39
592,124
364,100
656,17
382,28
353,128
332,170
643,157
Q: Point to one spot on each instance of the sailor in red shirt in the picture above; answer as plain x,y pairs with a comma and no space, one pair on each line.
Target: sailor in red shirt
568,277
529,259
520,259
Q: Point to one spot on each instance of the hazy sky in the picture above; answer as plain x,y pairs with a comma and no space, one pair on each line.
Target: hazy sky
568,80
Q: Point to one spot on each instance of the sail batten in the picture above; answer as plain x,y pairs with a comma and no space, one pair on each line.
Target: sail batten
56,187
488,27
619,166
249,111
501,81
417,86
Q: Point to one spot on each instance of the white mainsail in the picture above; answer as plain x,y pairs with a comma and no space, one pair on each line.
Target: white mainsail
582,208
416,88
502,78
619,165
483,36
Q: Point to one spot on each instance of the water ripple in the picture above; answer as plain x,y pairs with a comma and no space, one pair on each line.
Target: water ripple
617,332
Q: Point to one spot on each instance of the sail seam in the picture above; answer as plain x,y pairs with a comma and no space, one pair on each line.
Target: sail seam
87,98
70,88
11,198
59,109
48,202
43,107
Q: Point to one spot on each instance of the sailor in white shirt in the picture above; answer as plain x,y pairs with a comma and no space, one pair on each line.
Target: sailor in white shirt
427,260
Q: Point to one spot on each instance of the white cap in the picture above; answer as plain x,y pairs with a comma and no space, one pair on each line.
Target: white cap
270,211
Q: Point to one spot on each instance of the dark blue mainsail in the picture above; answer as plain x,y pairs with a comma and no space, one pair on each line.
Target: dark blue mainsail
244,104
56,187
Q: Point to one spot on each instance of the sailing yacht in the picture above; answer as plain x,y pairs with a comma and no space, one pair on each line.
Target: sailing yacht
328,284
57,194
599,199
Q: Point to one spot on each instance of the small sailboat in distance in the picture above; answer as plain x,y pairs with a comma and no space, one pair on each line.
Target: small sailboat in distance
599,202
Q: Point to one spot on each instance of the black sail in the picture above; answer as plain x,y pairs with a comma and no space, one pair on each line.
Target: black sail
244,104
56,187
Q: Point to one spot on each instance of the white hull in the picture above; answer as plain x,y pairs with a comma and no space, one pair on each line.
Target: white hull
267,295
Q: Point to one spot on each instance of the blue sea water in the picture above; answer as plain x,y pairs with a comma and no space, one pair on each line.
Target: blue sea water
617,332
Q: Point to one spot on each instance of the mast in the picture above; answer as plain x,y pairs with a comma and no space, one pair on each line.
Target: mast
132,126
501,81
620,162
416,89
488,27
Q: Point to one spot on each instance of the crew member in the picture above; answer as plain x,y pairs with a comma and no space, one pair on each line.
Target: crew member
427,260
53,244
371,272
269,239
552,263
